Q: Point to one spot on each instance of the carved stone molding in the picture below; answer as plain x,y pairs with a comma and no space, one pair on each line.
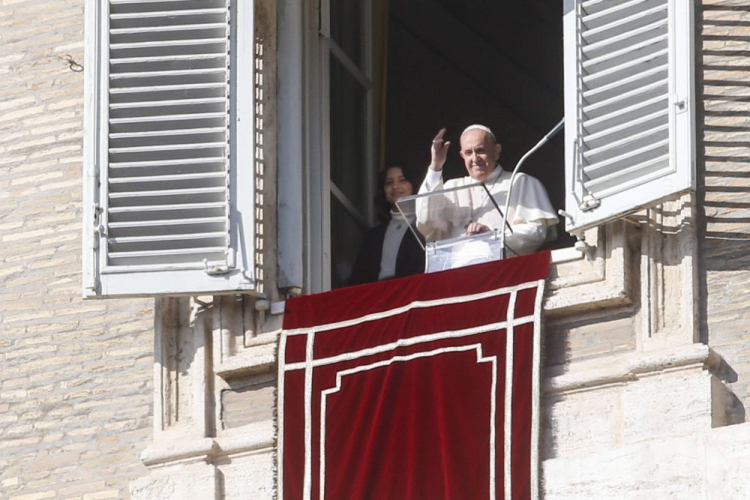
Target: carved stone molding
602,276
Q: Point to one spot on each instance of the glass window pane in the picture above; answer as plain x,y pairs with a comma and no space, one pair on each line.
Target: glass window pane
346,238
347,148
346,27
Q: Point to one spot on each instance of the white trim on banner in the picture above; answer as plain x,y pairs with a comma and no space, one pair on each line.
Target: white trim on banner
339,379
310,363
417,304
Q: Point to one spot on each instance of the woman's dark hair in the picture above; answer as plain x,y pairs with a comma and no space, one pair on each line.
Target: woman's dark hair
382,207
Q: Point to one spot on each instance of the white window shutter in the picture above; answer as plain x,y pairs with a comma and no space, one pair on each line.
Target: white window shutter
629,107
169,146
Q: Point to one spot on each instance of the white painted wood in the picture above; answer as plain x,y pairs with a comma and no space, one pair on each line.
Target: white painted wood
170,148
629,106
291,112
328,49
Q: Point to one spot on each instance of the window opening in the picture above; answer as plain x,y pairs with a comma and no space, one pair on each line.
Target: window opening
454,63
349,150
448,63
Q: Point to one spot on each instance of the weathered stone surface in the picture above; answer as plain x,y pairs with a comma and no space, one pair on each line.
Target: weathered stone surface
194,480
724,137
249,476
71,373
710,465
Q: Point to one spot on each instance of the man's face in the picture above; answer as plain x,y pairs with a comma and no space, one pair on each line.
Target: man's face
480,153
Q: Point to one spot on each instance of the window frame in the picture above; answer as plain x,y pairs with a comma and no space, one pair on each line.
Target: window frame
603,236
319,187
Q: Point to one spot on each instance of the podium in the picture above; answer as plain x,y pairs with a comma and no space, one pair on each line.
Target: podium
436,216
453,253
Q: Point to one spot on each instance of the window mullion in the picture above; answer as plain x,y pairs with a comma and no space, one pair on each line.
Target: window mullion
349,206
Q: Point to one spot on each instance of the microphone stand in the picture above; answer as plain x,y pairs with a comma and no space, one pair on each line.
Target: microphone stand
557,128
497,207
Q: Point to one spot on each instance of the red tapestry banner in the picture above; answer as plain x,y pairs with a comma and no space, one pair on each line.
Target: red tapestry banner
414,388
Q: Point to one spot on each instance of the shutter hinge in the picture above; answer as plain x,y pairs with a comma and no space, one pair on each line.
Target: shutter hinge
589,202
215,268
98,230
680,103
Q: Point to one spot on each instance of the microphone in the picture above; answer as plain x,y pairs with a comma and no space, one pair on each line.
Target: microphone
557,128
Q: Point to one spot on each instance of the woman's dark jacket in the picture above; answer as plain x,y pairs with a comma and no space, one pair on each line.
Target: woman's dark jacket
409,260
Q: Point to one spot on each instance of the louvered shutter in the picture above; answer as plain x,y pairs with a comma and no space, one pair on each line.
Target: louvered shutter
169,152
629,111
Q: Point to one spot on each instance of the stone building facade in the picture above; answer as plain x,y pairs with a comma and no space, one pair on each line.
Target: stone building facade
75,377
646,357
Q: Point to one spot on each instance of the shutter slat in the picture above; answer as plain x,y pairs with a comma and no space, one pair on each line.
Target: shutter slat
167,58
164,163
597,46
662,39
167,178
646,89
160,133
167,192
624,111
588,94
166,14
164,118
168,147
181,102
626,140
162,29
628,178
176,251
144,2
161,238
608,11
176,207
592,77
623,21
624,126
164,88
594,167
166,43
169,133
166,222
159,74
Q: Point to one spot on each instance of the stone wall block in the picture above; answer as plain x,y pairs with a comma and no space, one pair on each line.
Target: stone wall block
581,422
183,481
249,476
666,404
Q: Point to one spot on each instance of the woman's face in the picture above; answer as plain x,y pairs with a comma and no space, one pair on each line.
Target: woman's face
396,185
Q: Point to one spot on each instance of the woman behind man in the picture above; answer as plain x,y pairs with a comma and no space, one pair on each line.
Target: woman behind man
389,250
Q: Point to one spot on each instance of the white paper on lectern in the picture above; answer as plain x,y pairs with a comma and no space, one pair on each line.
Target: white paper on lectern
458,206
463,251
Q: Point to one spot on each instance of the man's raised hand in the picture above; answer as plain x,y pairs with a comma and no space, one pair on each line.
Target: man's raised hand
439,151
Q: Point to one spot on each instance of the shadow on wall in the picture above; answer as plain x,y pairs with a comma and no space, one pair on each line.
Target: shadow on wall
723,126
723,147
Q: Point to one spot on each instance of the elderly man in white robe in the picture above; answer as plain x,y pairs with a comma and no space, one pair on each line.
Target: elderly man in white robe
471,211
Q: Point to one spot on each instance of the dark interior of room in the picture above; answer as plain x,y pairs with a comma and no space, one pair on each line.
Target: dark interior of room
452,63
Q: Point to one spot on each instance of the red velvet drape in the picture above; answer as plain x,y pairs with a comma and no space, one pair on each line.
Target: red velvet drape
388,390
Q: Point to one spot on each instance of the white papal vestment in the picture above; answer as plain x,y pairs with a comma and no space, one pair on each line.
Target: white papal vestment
531,215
